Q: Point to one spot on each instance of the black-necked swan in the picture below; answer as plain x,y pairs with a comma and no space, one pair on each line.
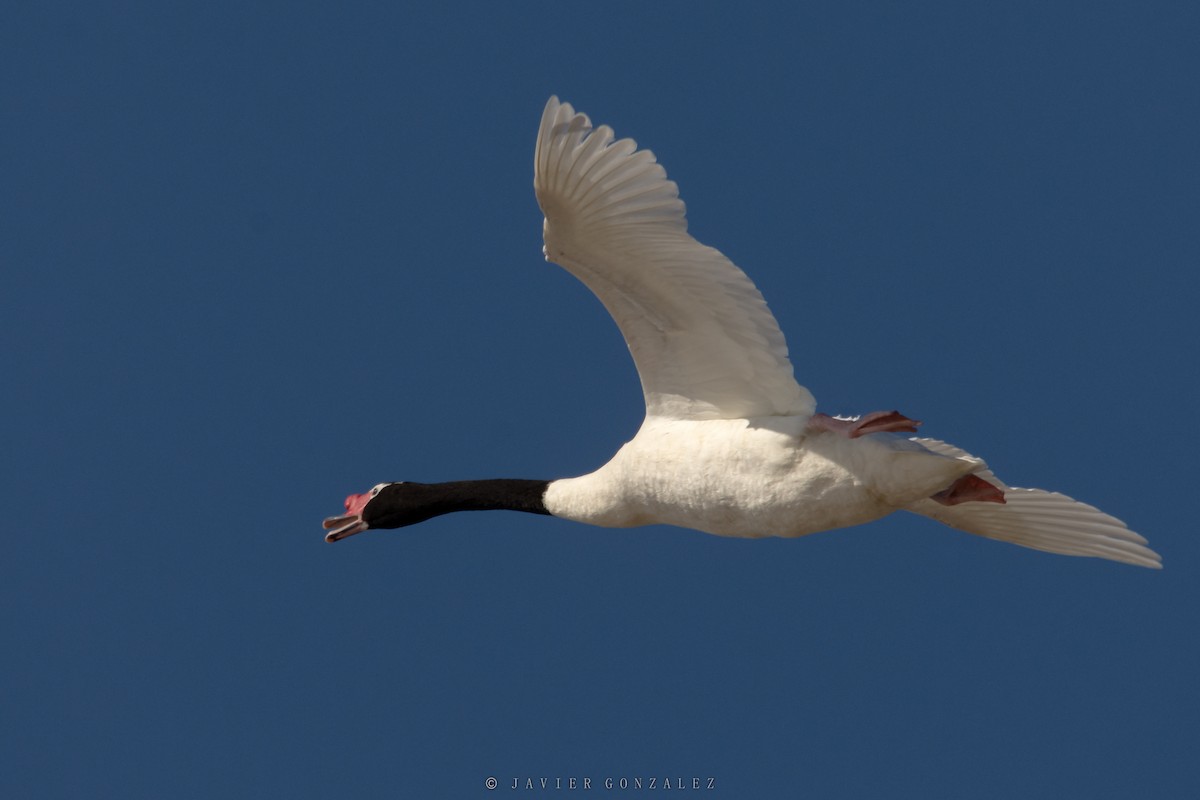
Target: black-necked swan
731,444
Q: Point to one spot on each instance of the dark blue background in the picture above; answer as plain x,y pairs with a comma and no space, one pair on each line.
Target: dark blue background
255,257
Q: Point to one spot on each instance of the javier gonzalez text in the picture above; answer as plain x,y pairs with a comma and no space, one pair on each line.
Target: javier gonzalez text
588,783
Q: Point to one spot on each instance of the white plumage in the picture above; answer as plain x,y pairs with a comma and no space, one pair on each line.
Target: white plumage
729,445
705,344
1039,519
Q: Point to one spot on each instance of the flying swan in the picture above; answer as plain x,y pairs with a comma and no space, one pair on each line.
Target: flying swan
731,444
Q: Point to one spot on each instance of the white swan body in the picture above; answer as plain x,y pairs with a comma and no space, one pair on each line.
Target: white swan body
731,445
767,476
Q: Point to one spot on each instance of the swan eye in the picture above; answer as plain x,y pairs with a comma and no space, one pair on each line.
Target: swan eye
376,489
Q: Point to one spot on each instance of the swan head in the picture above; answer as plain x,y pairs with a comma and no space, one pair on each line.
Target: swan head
355,519
393,505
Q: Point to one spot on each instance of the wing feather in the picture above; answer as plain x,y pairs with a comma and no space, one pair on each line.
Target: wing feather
704,342
1042,520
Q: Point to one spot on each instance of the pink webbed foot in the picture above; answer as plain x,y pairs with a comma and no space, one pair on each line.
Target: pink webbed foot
875,422
969,489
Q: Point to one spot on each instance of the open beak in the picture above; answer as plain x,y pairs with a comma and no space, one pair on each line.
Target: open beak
343,526
351,522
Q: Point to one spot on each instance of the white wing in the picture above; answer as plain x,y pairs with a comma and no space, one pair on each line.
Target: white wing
703,340
1042,520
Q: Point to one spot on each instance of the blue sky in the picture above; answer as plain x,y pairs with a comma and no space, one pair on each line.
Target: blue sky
257,257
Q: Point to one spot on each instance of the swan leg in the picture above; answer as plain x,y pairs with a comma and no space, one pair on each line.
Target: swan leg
875,422
969,488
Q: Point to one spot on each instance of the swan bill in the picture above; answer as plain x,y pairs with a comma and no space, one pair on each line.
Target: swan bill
343,526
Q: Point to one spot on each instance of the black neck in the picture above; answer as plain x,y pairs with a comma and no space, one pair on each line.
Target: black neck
401,504
495,494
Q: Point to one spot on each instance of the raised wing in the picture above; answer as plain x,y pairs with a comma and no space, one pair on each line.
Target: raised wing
1039,519
703,340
